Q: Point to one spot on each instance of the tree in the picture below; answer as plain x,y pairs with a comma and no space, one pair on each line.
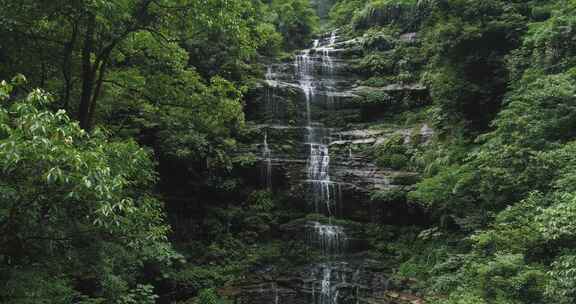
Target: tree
296,20
71,205
86,37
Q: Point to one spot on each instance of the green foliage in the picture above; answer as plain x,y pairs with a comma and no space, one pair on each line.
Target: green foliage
390,58
36,286
538,113
500,75
261,201
461,297
142,294
79,219
378,64
379,39
67,193
392,153
506,277
557,221
343,11
388,196
79,216
271,41
514,229
562,285
467,42
296,20
509,165
447,90
405,179
209,296
406,14
191,279
548,45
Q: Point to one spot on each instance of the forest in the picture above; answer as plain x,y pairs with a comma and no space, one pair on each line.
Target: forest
288,151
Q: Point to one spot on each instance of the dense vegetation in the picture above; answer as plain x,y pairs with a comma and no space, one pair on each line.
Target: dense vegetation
497,180
122,130
134,94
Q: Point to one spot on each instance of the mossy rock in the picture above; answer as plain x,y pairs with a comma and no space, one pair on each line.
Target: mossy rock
389,196
405,179
392,161
379,40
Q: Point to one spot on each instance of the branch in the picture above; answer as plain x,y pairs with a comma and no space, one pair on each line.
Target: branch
151,99
161,35
136,91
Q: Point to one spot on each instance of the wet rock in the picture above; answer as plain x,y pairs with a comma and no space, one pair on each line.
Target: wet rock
318,145
409,37
346,281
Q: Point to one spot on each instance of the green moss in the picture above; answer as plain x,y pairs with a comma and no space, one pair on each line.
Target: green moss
393,161
377,63
389,196
378,81
405,179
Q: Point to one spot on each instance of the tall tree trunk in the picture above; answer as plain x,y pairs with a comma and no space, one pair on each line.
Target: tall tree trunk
97,91
88,73
90,94
67,67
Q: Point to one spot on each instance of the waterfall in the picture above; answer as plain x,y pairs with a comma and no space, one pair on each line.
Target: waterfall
331,239
326,51
267,156
323,190
326,291
304,69
316,43
303,149
270,77
350,156
317,85
270,93
319,177
276,296
272,111
335,298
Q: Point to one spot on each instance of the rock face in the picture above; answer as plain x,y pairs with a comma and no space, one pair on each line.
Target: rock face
347,283
328,100
315,144
358,280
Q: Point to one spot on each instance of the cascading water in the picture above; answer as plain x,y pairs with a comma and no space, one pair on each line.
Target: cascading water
327,60
276,296
270,93
267,157
308,105
316,74
330,239
326,290
304,69
323,190
350,156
